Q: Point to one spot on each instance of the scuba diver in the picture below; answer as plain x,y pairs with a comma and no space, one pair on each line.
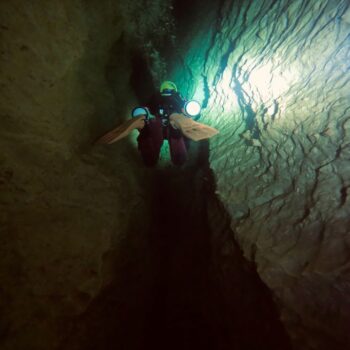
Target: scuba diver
167,116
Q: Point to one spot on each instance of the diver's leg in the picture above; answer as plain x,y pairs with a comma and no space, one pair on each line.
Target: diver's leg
178,151
187,143
150,141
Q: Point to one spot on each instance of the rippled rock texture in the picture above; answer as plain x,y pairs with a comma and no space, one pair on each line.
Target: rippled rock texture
275,79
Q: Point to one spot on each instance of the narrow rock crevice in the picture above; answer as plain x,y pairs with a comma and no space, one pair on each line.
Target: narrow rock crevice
247,244
188,286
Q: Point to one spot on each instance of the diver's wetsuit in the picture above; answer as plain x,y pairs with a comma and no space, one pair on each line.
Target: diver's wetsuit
158,129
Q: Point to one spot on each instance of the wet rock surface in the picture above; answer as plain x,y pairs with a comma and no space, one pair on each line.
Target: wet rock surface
65,206
274,76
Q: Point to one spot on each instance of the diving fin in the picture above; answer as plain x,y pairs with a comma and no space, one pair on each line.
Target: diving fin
191,129
122,130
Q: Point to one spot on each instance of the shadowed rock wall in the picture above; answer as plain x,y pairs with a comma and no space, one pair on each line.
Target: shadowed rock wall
274,76
66,209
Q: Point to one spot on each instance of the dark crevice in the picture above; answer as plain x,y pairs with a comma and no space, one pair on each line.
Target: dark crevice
188,285
250,115
206,92
141,79
343,195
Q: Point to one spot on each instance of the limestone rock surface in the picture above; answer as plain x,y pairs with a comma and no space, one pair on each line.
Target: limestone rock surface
67,208
274,78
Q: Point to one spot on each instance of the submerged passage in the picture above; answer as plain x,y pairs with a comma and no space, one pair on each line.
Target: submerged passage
201,293
205,294
245,241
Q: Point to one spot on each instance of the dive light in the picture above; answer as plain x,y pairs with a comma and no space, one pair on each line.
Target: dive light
192,108
136,112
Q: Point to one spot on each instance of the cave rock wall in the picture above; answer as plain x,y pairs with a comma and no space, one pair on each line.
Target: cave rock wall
67,208
274,78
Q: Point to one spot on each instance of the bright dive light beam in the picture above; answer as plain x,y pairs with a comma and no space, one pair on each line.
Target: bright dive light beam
225,89
192,108
269,82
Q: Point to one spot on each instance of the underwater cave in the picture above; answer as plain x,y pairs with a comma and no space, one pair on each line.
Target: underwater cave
245,246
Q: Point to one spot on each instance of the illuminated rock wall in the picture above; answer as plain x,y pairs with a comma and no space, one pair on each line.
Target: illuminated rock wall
275,79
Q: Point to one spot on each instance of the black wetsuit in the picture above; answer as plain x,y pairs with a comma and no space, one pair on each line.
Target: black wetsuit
158,129
169,104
